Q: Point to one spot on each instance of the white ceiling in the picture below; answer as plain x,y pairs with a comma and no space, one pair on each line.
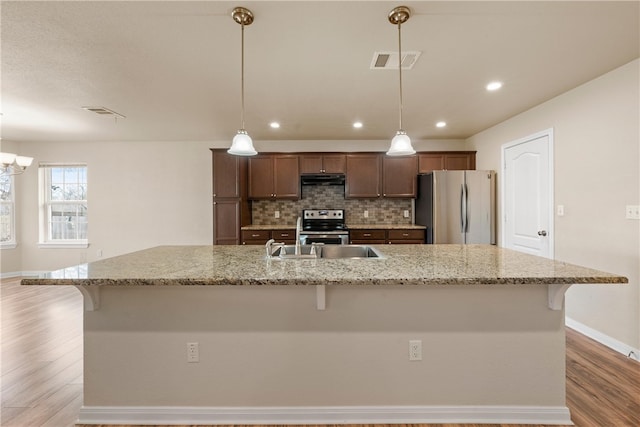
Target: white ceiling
173,67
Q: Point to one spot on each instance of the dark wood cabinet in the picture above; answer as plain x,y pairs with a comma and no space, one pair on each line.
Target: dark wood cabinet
260,237
363,176
405,236
231,207
446,160
379,236
274,176
322,163
399,176
367,237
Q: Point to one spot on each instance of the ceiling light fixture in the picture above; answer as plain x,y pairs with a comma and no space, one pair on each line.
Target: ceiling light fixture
274,125
357,125
12,164
494,86
441,124
242,144
401,143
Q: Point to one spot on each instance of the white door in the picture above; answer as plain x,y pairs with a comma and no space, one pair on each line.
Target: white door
527,202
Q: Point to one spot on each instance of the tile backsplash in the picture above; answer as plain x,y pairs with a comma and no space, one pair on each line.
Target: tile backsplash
381,211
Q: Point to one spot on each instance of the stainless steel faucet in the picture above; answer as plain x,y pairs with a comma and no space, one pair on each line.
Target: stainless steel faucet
298,230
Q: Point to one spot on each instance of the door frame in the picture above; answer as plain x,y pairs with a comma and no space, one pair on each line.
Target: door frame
551,229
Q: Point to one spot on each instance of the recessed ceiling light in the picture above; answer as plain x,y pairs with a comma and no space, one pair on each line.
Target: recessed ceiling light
357,125
441,124
494,86
274,125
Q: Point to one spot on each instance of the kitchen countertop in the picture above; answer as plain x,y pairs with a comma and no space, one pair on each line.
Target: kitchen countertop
402,265
349,226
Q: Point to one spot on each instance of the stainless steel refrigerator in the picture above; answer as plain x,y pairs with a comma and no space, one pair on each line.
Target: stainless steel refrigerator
457,206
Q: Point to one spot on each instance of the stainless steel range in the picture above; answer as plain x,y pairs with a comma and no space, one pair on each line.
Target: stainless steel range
324,226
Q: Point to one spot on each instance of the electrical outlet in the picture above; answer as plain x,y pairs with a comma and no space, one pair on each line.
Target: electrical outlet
193,352
366,214
560,210
406,213
415,350
277,214
632,212
99,253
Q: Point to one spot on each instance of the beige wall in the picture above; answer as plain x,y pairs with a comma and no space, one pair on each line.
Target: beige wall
142,194
597,158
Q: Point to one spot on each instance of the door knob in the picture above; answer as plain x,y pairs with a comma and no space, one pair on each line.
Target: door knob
542,233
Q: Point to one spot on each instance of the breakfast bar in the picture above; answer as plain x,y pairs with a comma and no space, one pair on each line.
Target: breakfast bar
227,335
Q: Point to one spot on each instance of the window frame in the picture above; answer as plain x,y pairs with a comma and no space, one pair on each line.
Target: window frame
45,238
13,243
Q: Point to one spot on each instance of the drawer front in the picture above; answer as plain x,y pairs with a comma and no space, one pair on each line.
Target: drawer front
367,234
262,235
282,235
406,235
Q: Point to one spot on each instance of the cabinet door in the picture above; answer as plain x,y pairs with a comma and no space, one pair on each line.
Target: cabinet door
430,162
363,176
226,222
286,177
310,163
226,178
460,161
399,176
261,177
334,163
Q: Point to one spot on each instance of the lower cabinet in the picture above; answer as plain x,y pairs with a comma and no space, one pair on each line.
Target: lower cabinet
260,237
405,236
386,236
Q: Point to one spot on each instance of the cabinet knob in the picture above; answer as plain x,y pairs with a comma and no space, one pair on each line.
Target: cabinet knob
215,203
214,194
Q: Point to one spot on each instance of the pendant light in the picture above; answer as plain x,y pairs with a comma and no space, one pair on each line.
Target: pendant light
401,143
242,144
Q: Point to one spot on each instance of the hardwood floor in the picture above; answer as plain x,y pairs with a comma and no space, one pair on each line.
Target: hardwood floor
41,372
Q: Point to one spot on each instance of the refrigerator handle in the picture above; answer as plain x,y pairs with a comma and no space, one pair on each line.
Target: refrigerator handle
463,209
466,208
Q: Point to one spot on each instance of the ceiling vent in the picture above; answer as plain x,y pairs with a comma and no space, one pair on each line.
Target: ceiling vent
389,60
104,112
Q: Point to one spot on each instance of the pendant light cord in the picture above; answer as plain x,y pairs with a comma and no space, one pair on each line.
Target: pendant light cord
400,69
242,75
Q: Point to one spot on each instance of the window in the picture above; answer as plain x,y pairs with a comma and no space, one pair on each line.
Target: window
64,205
7,213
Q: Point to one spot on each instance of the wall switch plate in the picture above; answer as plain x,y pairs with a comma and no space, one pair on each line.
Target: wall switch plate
632,212
415,350
366,214
99,253
560,210
276,214
193,352
406,213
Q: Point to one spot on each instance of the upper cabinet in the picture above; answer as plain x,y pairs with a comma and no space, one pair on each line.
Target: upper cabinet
373,175
363,175
231,208
451,160
399,176
227,174
322,163
274,176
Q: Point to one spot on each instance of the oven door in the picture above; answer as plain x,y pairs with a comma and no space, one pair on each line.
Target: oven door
327,239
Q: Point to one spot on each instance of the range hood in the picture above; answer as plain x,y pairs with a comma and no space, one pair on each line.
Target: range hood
322,179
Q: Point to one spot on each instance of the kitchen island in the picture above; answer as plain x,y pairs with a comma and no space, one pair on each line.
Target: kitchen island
324,340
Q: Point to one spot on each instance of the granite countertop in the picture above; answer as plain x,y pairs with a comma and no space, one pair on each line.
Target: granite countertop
402,265
349,226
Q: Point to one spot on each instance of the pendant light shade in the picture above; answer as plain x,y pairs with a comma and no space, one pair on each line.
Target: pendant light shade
242,144
401,143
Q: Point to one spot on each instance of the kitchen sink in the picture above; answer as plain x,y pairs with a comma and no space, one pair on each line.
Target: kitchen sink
325,251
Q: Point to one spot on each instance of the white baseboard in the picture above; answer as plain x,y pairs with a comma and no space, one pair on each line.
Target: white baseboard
22,274
167,415
612,343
